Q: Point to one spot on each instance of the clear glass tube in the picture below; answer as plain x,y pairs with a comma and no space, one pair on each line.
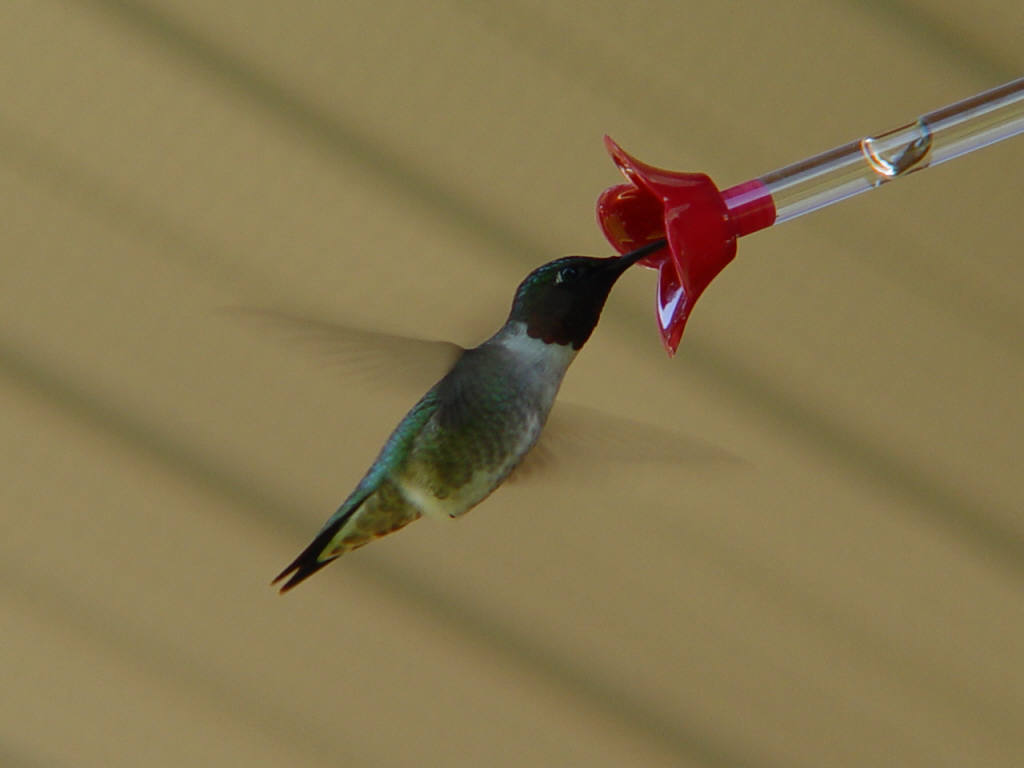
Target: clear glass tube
874,160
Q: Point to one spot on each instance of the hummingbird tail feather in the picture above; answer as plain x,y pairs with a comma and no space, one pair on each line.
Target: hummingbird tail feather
304,566
311,559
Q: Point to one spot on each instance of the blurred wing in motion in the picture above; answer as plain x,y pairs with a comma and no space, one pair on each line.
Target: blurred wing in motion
576,437
373,357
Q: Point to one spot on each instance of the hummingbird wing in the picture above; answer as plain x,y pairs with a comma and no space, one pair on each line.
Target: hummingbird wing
575,435
375,357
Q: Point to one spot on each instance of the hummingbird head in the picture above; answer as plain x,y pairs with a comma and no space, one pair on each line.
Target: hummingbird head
561,301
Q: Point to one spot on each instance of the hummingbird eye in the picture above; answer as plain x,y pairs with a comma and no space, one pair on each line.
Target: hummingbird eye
565,273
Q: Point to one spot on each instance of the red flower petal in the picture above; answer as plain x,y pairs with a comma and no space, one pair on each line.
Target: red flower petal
688,209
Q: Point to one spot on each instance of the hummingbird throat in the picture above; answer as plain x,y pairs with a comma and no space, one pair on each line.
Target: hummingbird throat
572,327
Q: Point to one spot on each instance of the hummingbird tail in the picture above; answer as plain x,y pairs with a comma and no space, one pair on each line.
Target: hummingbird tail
311,559
302,567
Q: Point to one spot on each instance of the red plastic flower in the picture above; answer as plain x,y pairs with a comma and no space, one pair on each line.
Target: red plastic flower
700,223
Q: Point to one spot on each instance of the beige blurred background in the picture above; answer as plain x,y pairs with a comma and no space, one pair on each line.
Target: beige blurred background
848,594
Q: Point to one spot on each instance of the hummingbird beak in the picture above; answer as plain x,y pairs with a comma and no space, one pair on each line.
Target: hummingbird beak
626,260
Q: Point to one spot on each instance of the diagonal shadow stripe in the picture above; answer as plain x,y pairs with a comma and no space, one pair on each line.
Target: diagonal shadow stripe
339,139
255,505
44,164
14,758
627,85
946,41
930,497
136,649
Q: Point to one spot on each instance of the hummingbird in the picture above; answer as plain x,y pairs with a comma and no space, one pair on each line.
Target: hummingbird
468,433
